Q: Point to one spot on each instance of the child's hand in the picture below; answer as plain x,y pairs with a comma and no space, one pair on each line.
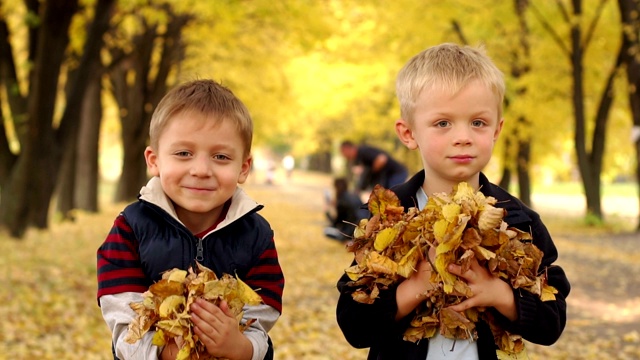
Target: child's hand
487,289
218,330
411,292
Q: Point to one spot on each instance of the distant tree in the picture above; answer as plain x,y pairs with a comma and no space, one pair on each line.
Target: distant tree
517,144
520,60
150,60
29,176
79,172
590,158
630,14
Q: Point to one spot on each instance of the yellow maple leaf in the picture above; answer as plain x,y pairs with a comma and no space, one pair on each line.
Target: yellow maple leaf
246,294
407,265
159,338
354,272
548,293
490,218
176,275
384,238
442,263
381,264
450,212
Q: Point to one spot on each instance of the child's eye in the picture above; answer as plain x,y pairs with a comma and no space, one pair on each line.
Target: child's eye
221,157
182,153
477,123
442,123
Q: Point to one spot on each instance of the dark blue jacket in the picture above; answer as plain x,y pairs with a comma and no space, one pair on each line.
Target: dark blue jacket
373,325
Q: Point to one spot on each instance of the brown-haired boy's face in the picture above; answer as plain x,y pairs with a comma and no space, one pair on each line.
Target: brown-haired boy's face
199,162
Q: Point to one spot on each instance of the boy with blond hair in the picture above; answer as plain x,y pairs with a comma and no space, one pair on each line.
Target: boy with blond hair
192,210
451,112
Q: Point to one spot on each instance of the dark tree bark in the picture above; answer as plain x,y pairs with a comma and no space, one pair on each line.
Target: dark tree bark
27,193
138,99
87,169
25,187
78,183
519,68
66,181
505,177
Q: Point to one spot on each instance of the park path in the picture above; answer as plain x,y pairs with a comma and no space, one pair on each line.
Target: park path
603,268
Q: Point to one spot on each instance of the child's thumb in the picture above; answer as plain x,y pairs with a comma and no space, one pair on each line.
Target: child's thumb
224,306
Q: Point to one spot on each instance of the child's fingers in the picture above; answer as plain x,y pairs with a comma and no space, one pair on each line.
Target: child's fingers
467,304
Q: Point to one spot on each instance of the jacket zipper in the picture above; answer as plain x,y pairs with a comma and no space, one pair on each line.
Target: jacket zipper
199,251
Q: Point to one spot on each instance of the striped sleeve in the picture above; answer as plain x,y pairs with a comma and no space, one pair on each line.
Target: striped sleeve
119,268
267,277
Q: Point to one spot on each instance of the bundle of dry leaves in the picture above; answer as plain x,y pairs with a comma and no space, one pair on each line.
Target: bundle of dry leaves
165,307
461,226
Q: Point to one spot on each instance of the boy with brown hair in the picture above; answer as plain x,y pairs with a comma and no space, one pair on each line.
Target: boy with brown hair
192,210
451,112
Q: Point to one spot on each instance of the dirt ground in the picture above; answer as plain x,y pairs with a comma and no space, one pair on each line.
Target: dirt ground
602,264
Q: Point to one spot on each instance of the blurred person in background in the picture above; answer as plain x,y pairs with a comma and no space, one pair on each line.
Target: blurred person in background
344,211
373,166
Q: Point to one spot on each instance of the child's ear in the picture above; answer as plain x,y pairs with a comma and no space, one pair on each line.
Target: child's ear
496,134
405,134
245,170
152,161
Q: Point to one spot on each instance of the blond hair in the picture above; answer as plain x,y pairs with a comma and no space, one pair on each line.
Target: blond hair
448,67
205,97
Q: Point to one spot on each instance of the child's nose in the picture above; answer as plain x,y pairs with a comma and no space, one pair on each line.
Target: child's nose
201,166
462,136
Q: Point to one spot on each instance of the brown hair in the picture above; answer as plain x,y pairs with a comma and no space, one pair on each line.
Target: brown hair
205,97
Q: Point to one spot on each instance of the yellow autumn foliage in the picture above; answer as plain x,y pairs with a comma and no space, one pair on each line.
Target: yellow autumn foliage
462,226
165,307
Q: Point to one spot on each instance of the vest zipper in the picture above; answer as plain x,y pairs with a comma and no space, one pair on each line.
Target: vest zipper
200,251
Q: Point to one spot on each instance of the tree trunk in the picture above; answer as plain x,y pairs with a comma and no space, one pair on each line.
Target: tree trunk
87,166
637,143
629,10
524,180
505,178
131,100
78,183
66,181
33,177
28,192
590,185
134,169
138,100
521,68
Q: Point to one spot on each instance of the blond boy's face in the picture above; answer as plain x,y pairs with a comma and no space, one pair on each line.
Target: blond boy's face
199,163
455,134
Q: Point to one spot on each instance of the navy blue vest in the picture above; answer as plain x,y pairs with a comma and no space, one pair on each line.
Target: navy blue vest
164,243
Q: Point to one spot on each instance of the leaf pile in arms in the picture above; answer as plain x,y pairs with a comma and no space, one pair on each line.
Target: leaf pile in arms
165,307
460,226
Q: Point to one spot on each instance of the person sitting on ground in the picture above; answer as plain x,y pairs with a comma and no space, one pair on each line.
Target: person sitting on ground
345,213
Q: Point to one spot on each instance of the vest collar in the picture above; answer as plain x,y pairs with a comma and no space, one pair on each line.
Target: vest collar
241,203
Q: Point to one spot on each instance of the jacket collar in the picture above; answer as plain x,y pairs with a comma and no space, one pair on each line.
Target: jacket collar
241,203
